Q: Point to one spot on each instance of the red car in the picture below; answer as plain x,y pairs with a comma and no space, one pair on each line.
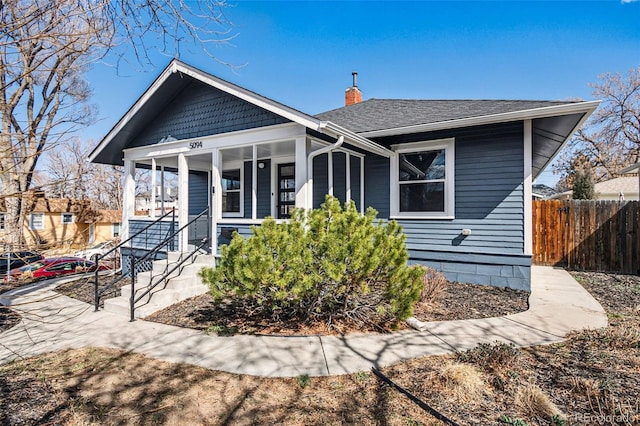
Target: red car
52,267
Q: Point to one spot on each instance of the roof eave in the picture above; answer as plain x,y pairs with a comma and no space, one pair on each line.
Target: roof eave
572,108
634,168
333,129
586,108
164,75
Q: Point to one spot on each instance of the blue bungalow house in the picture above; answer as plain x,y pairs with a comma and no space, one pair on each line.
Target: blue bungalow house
456,174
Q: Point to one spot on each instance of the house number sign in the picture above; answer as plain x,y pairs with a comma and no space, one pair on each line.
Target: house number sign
195,144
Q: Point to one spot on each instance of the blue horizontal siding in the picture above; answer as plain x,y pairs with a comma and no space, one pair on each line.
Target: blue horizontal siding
489,197
376,184
153,236
264,190
225,232
198,192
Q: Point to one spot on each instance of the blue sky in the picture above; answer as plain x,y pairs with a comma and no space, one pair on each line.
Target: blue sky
302,53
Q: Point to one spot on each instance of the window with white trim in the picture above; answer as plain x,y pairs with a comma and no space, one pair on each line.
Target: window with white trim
67,218
116,229
424,180
232,192
36,221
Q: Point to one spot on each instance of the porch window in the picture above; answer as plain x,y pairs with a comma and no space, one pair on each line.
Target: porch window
36,221
232,192
424,179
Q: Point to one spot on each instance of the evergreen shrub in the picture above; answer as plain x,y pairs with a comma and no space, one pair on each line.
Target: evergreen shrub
328,264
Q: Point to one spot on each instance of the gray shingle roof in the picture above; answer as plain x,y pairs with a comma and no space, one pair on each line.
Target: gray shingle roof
381,114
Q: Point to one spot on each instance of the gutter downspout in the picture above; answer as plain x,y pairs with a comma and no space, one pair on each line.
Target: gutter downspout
310,158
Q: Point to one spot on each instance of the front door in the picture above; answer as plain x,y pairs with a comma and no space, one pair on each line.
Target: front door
286,190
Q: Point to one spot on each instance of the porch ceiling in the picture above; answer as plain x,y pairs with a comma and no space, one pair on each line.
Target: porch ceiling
265,150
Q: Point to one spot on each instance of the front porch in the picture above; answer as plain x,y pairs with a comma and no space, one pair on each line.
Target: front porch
238,180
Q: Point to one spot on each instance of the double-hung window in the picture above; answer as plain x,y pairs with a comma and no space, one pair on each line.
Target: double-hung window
36,221
232,193
423,180
116,229
67,218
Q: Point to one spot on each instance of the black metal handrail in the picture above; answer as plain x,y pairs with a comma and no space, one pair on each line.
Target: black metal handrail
98,293
162,277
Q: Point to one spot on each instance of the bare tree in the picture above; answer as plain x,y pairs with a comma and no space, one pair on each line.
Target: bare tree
108,180
71,176
611,139
46,48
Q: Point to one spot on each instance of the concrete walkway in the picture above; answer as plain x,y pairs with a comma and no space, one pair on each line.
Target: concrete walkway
51,322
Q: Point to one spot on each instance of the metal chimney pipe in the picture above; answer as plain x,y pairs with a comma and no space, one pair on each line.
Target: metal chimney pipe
355,78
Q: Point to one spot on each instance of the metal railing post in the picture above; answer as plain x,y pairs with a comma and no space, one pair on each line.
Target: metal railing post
96,296
173,224
132,300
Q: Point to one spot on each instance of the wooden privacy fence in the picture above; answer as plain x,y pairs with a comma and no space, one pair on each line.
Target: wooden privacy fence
587,235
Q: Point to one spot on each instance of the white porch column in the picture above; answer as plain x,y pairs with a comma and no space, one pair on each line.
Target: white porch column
527,191
152,209
254,182
162,191
183,200
330,172
303,198
216,191
128,197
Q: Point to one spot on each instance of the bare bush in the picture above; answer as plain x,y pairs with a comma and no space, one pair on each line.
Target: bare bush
533,402
435,285
464,381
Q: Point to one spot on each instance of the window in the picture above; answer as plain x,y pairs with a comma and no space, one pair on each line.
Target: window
3,217
92,233
67,218
36,221
115,229
232,192
424,179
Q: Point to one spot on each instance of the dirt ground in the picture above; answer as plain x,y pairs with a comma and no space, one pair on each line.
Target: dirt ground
592,378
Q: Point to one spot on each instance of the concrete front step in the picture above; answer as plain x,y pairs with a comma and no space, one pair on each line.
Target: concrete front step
178,287
203,259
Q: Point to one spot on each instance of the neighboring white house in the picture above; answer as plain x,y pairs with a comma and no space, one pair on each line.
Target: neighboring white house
620,188
164,201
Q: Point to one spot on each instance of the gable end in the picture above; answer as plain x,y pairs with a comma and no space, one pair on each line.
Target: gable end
201,110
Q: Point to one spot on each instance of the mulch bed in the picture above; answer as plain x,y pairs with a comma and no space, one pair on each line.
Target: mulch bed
83,289
460,301
8,318
615,292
